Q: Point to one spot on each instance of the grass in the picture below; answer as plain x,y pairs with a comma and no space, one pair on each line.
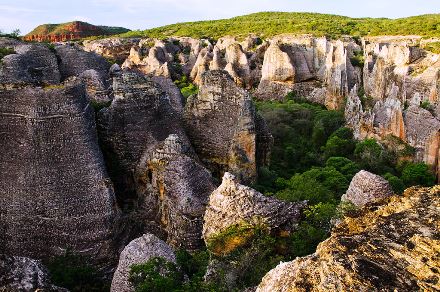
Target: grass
268,24
5,51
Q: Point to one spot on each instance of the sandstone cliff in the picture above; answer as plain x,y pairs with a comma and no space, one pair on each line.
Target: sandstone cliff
390,245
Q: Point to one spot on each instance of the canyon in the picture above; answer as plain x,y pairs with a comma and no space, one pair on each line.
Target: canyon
103,156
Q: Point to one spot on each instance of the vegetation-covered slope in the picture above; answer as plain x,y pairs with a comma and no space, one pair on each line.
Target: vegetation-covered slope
268,24
71,30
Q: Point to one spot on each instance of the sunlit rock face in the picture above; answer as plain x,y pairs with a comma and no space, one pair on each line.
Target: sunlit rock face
389,245
236,205
366,187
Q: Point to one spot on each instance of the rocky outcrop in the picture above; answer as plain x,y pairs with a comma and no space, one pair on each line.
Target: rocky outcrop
390,245
74,61
55,193
149,59
116,49
221,123
423,133
24,274
31,64
70,31
233,205
139,117
139,251
366,187
175,189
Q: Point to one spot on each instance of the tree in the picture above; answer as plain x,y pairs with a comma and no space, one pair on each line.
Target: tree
417,174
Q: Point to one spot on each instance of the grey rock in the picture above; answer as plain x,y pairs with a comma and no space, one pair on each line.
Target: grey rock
32,64
24,274
366,187
221,123
233,204
176,189
139,251
55,193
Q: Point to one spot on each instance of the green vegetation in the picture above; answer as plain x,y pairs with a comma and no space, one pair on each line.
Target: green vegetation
76,274
66,28
267,24
358,59
159,275
186,87
433,47
5,51
15,34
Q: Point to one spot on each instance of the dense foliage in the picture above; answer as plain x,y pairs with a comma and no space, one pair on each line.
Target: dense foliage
185,275
268,24
73,272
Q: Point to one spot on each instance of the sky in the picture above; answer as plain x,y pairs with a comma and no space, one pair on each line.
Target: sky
143,14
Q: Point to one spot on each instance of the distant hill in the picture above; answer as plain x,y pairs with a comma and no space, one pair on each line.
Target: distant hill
268,24
71,31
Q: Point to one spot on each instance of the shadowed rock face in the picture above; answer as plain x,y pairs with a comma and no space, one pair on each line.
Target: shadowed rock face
389,246
55,193
24,274
175,188
32,64
74,61
139,251
139,117
224,128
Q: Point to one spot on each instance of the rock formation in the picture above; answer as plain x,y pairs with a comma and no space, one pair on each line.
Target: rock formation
32,64
233,205
55,193
24,274
175,188
116,49
139,117
221,123
139,251
389,246
74,61
70,31
366,187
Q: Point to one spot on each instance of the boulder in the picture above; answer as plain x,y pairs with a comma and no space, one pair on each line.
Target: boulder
391,245
366,187
138,251
233,205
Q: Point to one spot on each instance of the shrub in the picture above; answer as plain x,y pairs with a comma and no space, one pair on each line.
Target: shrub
396,183
156,275
75,273
417,174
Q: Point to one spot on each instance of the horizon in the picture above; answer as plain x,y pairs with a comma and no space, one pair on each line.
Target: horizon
140,15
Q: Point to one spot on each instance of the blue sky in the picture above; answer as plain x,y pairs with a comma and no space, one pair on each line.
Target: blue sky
142,14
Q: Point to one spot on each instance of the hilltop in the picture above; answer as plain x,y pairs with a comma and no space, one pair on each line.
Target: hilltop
70,31
268,24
